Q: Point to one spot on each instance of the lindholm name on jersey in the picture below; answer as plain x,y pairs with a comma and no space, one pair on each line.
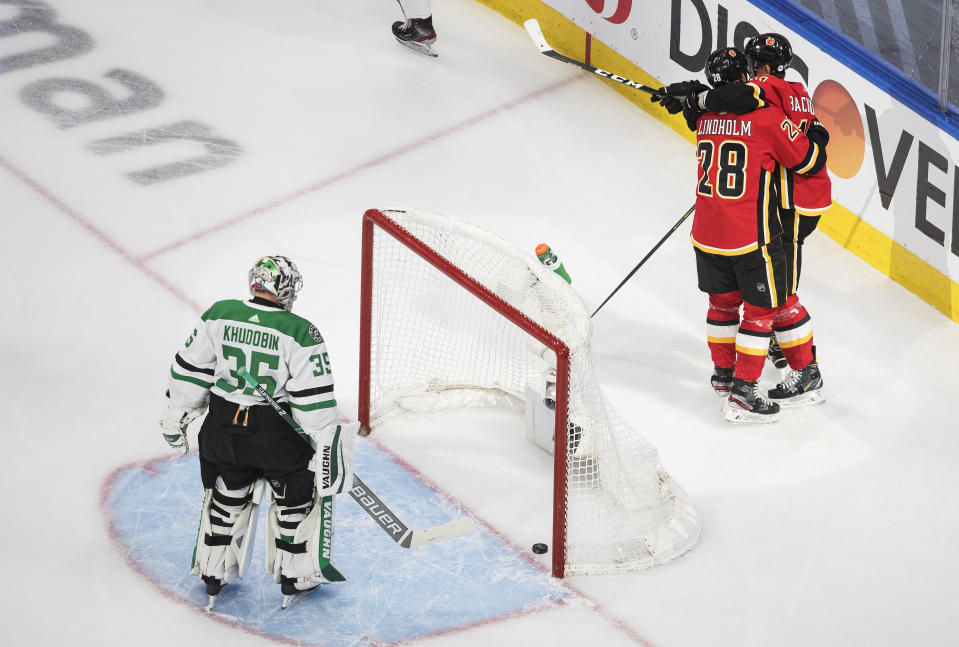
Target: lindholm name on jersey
725,126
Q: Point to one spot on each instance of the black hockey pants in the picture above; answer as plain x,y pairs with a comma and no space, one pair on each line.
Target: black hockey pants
242,445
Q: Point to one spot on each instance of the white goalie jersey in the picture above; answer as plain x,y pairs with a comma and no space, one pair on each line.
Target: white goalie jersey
283,351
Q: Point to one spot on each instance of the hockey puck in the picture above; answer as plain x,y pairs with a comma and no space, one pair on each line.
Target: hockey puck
539,549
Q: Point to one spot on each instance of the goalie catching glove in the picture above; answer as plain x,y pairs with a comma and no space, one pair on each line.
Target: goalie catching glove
333,458
174,424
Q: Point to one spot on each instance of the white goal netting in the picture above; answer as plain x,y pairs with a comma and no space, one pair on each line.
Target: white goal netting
435,345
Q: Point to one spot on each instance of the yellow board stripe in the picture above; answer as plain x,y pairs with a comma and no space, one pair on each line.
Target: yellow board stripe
839,223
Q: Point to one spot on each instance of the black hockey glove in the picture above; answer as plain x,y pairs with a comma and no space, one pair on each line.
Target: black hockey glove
672,104
818,133
691,112
680,89
689,90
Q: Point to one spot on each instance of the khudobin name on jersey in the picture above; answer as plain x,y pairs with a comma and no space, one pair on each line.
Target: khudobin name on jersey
261,338
256,337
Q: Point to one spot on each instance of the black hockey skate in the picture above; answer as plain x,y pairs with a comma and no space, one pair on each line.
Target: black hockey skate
417,34
746,403
722,380
800,388
776,355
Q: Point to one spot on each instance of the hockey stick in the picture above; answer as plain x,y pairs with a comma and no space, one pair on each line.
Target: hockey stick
645,258
371,503
536,33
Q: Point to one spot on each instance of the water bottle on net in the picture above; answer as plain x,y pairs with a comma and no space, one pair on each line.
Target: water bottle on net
549,258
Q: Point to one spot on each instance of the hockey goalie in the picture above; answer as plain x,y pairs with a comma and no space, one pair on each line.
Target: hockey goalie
247,449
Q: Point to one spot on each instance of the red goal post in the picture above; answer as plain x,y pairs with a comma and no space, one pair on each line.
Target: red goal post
424,276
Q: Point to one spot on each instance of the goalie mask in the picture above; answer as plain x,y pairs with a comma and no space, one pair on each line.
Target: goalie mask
772,49
277,275
726,65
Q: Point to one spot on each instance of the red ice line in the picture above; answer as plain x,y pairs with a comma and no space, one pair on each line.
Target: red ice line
363,166
140,263
91,229
150,468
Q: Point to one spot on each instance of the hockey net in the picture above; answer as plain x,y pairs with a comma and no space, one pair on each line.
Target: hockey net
453,316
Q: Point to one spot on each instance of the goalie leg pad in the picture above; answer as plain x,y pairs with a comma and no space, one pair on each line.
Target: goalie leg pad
299,546
226,530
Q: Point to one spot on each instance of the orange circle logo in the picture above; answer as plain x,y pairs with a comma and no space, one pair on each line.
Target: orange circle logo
838,112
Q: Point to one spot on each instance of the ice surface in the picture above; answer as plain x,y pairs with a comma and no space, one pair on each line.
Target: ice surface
836,526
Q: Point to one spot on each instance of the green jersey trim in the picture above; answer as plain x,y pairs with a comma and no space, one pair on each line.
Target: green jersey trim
302,331
313,407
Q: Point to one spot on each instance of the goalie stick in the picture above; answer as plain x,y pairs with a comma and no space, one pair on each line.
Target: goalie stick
536,33
368,500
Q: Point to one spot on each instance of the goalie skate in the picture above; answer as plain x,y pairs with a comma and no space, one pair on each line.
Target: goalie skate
417,34
292,595
213,588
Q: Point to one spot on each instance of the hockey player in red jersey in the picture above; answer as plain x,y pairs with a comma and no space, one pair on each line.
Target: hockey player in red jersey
803,198
737,236
809,195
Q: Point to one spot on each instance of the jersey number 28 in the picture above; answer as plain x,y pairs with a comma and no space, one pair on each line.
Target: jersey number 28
730,164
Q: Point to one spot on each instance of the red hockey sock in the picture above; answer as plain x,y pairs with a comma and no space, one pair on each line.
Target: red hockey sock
793,328
722,321
752,341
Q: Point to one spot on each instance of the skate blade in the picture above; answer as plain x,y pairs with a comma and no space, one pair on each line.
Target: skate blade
290,600
804,400
741,416
422,48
